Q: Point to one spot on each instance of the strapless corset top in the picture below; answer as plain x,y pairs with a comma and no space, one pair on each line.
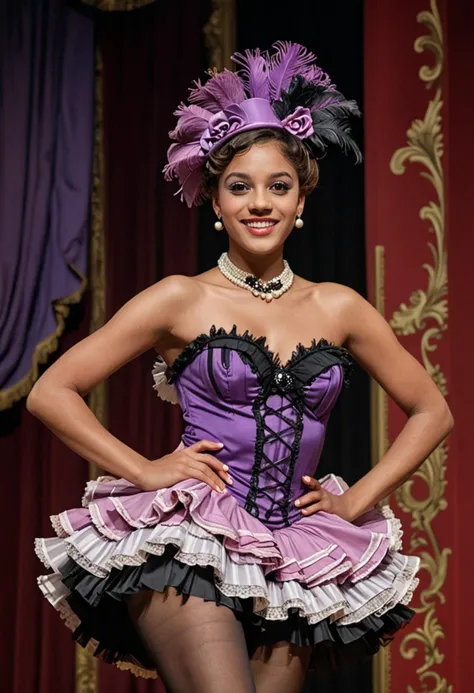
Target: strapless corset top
271,417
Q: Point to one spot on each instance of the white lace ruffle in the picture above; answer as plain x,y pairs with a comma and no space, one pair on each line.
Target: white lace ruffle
41,553
280,613
392,582
395,527
58,527
90,488
406,599
400,593
166,391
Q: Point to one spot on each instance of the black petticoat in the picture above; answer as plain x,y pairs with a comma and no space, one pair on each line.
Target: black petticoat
104,617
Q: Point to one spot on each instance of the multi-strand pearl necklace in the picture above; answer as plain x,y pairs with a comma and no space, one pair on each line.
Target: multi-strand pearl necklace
266,290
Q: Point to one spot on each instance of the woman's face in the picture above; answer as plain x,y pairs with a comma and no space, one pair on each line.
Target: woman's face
258,198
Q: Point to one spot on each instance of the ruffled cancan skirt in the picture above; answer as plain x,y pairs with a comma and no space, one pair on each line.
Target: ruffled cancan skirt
340,587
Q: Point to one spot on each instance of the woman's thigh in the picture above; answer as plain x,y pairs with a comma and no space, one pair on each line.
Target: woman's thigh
197,646
280,667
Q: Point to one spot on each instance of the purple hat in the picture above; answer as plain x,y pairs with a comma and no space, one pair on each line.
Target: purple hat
285,90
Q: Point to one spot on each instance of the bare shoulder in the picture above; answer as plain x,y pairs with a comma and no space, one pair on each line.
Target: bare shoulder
333,298
161,301
174,287
372,342
334,293
359,320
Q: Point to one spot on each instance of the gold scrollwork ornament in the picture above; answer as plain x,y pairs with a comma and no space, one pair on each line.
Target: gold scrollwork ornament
427,312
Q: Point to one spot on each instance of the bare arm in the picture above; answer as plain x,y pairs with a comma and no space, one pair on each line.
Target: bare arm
375,346
57,397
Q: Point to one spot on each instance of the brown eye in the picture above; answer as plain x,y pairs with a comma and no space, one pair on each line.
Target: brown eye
280,186
237,187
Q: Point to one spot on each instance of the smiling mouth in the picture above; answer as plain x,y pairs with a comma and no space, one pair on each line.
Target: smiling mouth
259,226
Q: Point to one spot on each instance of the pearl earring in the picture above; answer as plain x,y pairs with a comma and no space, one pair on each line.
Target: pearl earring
218,225
299,223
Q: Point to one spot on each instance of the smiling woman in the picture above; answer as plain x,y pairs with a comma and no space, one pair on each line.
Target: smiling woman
282,169
223,565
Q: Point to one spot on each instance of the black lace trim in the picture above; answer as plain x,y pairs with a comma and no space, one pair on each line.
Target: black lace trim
341,353
191,350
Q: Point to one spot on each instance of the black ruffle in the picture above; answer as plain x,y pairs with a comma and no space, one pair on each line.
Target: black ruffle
98,602
191,350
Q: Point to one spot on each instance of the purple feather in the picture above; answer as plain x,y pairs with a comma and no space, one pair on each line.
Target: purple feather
192,121
182,159
254,72
222,90
315,75
191,188
290,60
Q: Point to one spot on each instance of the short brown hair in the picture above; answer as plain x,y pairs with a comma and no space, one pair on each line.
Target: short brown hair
291,147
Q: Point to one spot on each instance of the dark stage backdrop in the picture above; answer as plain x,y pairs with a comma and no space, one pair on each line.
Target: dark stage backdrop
150,57
331,245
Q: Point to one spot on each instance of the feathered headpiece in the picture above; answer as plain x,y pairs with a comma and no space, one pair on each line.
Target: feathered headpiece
285,90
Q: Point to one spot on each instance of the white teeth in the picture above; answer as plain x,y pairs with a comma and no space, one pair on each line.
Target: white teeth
259,224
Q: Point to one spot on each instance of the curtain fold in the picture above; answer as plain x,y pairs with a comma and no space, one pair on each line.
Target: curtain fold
40,477
149,233
46,131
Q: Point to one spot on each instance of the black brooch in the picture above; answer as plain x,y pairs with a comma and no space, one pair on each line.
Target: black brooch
257,284
283,380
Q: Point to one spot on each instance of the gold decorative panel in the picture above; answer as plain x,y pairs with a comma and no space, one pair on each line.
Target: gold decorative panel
426,314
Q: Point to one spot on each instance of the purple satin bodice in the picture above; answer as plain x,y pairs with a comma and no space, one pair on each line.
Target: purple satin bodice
271,417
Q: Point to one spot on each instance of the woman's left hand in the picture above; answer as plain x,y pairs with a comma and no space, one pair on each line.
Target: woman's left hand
319,499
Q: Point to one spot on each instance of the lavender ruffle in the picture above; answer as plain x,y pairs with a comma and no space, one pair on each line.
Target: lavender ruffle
321,580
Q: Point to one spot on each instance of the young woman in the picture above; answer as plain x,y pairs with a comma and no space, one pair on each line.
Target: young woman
224,565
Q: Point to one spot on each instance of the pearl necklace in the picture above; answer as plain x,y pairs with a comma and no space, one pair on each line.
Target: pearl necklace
266,290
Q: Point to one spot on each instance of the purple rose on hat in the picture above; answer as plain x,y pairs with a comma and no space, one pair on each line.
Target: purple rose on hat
299,123
222,124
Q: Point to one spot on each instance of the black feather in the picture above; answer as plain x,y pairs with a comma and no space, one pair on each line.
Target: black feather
330,121
343,109
332,130
303,93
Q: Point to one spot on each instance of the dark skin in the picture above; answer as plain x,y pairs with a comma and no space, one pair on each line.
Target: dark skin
172,312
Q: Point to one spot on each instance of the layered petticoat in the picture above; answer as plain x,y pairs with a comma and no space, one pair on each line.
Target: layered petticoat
341,587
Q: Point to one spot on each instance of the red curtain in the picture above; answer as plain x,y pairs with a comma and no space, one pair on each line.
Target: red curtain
459,100
150,58
40,477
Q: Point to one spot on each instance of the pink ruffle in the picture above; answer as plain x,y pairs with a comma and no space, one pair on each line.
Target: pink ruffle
316,549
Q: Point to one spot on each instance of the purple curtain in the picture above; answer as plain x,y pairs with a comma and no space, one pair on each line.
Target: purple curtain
46,137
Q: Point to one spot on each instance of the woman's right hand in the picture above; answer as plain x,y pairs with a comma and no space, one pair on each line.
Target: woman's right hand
186,463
